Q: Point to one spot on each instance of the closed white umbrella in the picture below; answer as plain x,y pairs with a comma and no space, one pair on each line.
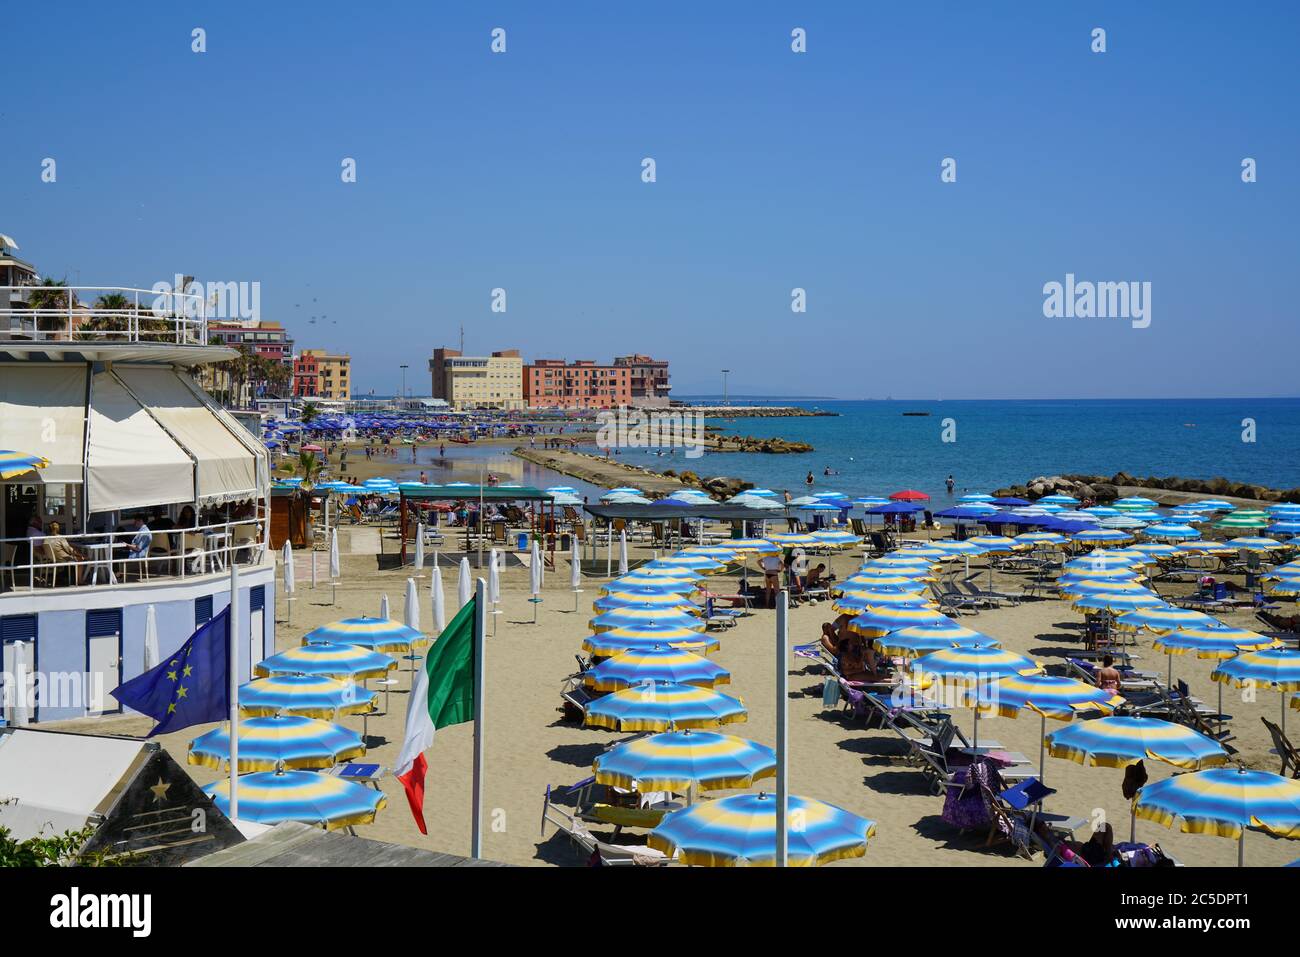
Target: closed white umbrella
535,578
575,573
383,607
494,585
19,713
419,550
622,552
439,601
151,655
289,583
464,587
335,571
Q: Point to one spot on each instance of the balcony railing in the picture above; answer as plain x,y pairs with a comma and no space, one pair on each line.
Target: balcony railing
102,314
109,558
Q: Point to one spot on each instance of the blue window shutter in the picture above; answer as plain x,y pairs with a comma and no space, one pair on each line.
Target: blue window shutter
257,598
103,621
18,628
202,611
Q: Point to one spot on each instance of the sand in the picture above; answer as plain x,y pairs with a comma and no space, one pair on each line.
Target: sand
530,747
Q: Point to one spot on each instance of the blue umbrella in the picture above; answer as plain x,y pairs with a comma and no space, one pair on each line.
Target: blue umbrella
271,797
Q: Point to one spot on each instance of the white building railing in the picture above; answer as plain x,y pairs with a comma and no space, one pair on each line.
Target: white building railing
107,558
81,313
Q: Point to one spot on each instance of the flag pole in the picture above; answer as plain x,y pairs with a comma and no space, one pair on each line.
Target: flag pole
233,677
782,725
480,627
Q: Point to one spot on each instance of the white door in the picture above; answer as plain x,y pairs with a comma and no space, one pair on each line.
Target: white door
256,645
104,672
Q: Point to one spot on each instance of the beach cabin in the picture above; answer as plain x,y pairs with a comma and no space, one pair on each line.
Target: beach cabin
141,494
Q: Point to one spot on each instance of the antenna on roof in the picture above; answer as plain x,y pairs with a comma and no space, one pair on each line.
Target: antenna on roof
462,338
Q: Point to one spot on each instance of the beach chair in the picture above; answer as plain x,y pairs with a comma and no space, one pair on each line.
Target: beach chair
719,618
598,852
1025,801
1284,749
995,598
952,601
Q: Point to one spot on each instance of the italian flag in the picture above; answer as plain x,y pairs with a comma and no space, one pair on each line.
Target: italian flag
443,695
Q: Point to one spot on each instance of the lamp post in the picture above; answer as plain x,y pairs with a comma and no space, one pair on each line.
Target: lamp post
404,368
724,386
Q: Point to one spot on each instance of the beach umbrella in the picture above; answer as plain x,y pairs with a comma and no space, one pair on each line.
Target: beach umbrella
290,585
954,549
870,501
975,497
681,761
971,667
895,508
1208,505
373,634
1243,518
1157,550
1101,586
1042,539
1286,526
419,548
622,551
1134,501
1162,618
383,607
875,581
1276,668
878,621
917,640
1176,532
1099,535
755,502
647,637
644,598
494,579
753,546
700,564
993,544
1117,742
1212,641
336,571
14,464
740,831
1116,603
575,571
312,696
1058,499
439,601
535,578
332,661
664,706
632,616
271,797
684,582
1288,585
151,656
464,585
854,602
636,666
1252,544
1122,522
1048,696
411,611
898,562
277,741
19,714
835,538
1225,802
909,495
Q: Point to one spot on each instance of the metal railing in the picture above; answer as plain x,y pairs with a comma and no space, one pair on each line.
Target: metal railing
102,314
111,558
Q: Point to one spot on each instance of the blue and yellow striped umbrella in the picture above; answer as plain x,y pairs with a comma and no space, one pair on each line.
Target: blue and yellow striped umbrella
719,553
606,644
972,666
1285,586
645,598
753,546
634,616
792,539
878,621
898,575
952,549
1212,641
1176,533
271,797
699,564
995,544
1273,667
856,600
913,642
1051,696
681,760
663,706
374,634
1155,551
1224,801
887,583
1101,559
1117,742
1161,618
332,661
280,741
660,584
1043,539
1098,535
14,464
1101,586
312,696
636,666
1255,544
1116,602
897,560
740,831
1208,548
835,538
930,553
1071,579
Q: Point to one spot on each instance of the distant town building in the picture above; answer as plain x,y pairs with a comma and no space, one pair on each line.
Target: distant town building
649,379
270,340
318,374
553,384
478,382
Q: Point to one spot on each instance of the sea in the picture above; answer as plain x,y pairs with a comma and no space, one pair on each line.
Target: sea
873,448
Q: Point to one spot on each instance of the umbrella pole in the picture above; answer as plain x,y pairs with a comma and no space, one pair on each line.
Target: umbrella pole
1132,825
1283,712
1241,848
1042,746
782,726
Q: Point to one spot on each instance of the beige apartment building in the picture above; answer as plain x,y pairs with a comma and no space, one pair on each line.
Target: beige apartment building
329,374
495,381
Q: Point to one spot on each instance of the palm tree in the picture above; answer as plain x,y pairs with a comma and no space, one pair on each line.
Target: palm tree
51,294
309,413
308,467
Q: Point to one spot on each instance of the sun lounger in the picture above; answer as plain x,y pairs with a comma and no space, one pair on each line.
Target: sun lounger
994,598
1284,749
596,850
953,601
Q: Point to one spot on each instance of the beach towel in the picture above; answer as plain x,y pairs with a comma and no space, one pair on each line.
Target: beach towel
830,693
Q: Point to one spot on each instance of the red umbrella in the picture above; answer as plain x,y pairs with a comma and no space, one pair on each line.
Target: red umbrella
310,448
910,495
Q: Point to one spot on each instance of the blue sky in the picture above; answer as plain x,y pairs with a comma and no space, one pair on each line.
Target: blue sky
775,170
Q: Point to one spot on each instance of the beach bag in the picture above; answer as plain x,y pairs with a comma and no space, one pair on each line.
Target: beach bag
830,693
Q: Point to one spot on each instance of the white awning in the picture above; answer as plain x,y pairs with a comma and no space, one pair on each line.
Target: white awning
133,462
226,469
55,782
43,412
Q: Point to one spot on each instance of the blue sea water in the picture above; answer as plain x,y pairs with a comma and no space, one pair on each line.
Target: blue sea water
876,450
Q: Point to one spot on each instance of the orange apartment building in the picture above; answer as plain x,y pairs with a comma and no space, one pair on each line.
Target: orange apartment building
582,384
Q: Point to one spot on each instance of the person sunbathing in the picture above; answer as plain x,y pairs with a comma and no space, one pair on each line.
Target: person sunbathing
1108,676
834,632
858,659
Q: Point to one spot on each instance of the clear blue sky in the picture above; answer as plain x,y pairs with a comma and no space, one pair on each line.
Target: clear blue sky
775,170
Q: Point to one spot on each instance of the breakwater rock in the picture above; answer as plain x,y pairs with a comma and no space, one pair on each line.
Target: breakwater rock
1176,489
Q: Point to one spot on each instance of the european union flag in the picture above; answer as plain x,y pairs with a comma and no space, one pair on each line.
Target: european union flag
191,687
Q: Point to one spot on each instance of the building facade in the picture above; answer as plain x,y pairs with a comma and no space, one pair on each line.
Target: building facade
270,340
478,382
582,384
318,374
648,378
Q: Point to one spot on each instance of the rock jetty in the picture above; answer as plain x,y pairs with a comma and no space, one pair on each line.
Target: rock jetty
1173,490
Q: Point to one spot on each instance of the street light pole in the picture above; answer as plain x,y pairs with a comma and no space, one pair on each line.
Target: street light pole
404,368
724,387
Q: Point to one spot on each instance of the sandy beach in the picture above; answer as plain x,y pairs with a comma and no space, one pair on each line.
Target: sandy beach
530,747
